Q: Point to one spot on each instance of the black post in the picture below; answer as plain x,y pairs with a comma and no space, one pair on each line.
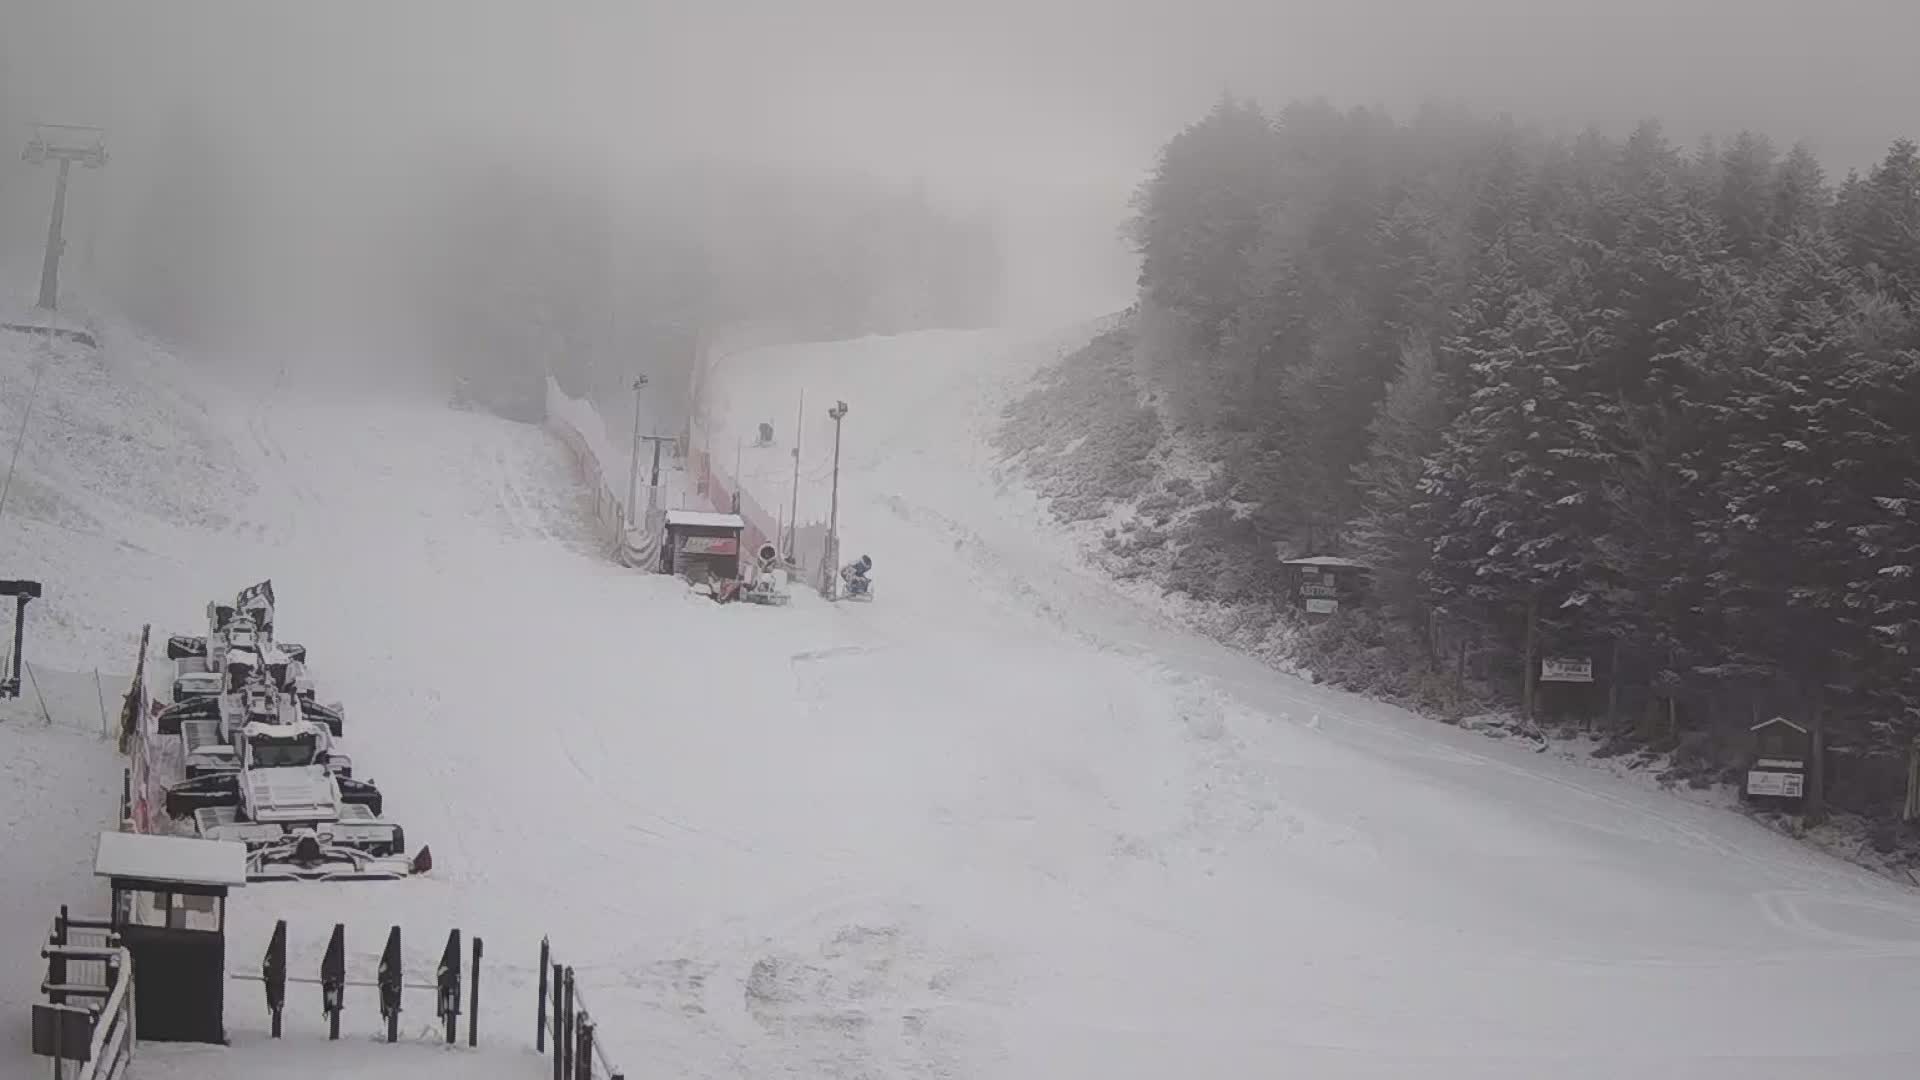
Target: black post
333,980
540,1031
568,1032
473,1000
273,972
390,977
583,1058
57,964
447,984
19,634
559,1035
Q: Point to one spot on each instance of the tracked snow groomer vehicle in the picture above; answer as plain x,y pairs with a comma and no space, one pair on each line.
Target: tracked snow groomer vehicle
259,756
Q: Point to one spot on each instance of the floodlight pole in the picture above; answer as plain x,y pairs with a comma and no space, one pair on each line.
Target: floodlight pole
793,511
830,571
633,469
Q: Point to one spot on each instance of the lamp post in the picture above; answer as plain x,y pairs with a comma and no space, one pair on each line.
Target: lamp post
633,470
830,571
793,511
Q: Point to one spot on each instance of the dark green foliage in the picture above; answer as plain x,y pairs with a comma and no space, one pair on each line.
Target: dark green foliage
1085,420
1670,401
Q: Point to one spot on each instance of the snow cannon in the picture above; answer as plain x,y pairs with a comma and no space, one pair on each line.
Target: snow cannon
769,584
854,576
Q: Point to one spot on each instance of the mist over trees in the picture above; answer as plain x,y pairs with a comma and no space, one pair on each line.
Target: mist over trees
489,269
1642,397
530,274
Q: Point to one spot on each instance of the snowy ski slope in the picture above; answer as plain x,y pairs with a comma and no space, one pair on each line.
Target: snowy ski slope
1000,823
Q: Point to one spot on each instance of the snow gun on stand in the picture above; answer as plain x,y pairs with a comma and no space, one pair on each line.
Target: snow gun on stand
769,585
854,577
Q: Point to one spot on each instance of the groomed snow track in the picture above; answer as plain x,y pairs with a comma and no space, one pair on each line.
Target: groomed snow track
1002,822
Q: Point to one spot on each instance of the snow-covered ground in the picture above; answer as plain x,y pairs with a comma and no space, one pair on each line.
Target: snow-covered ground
1002,822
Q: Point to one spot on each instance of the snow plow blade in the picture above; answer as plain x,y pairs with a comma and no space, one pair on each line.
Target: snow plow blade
185,646
167,722
207,791
310,858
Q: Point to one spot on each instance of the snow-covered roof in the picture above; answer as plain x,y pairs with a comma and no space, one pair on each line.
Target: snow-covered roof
1323,560
1778,720
703,519
185,859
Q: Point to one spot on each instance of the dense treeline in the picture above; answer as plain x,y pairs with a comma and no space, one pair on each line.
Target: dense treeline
1618,398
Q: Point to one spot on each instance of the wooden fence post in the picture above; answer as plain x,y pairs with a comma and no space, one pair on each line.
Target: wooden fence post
57,963
570,1032
559,1034
583,1057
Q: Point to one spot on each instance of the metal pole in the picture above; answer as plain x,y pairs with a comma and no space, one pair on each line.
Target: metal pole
831,569
19,636
793,511
540,1029
50,264
559,1029
633,470
568,1032
57,963
473,998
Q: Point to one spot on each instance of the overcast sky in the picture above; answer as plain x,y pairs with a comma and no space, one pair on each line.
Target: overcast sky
1040,103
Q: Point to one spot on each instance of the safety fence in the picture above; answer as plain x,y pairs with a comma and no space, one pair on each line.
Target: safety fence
151,760
389,982
563,1019
85,961
803,546
579,427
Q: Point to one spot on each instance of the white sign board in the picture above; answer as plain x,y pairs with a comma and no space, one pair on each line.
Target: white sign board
710,545
1783,784
1565,669
1322,607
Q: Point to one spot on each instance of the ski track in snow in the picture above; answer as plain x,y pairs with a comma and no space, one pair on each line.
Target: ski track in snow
1002,822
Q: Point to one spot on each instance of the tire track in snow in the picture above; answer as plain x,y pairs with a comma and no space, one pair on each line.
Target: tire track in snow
1017,576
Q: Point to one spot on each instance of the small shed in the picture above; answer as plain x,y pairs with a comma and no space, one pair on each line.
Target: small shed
1779,753
170,911
1321,585
702,545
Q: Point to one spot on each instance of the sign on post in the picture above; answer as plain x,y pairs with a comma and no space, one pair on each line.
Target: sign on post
1784,785
1566,669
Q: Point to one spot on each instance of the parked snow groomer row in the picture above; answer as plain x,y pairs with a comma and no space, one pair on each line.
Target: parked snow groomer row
260,756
